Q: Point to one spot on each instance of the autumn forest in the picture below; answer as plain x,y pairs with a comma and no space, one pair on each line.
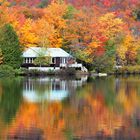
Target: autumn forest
104,37
94,31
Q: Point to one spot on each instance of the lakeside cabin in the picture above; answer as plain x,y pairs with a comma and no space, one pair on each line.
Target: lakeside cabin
60,59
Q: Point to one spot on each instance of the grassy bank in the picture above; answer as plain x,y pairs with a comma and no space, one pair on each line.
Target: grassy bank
6,70
124,70
67,72
128,70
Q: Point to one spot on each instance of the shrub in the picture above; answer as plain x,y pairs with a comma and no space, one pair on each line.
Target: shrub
21,71
51,72
35,72
129,69
67,71
6,70
70,71
103,64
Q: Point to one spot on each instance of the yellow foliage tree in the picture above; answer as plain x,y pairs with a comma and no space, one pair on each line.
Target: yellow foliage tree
26,35
103,29
54,14
110,26
129,45
3,12
43,31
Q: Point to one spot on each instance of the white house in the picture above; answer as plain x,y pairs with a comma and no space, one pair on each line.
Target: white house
59,59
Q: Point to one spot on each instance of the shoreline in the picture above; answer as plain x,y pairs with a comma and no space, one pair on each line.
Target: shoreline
9,71
90,74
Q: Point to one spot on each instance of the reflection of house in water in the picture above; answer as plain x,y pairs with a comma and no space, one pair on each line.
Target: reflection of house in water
52,89
117,85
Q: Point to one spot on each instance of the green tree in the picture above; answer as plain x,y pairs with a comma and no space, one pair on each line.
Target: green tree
9,44
43,3
42,59
70,12
106,62
138,57
136,14
102,64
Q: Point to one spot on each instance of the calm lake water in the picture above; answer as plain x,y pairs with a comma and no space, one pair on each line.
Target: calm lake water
75,108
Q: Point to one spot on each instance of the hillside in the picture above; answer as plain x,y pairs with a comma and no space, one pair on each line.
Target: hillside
92,30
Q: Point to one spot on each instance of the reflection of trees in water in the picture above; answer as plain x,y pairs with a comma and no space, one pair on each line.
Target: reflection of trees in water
26,134
11,98
92,112
48,116
128,94
97,110
50,121
105,88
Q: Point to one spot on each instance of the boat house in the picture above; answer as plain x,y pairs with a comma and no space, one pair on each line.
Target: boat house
59,59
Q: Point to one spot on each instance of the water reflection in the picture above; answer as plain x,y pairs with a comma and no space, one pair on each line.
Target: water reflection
75,108
9,105
50,88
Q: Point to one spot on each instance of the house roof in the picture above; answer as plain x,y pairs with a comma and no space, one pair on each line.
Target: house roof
53,52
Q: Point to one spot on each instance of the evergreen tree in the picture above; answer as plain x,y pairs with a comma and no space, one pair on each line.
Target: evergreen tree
9,44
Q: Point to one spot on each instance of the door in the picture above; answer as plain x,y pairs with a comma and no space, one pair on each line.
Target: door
57,62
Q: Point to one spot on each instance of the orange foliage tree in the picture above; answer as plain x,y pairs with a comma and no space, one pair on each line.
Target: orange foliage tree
54,14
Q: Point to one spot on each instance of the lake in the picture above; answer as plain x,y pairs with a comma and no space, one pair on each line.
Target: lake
74,108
